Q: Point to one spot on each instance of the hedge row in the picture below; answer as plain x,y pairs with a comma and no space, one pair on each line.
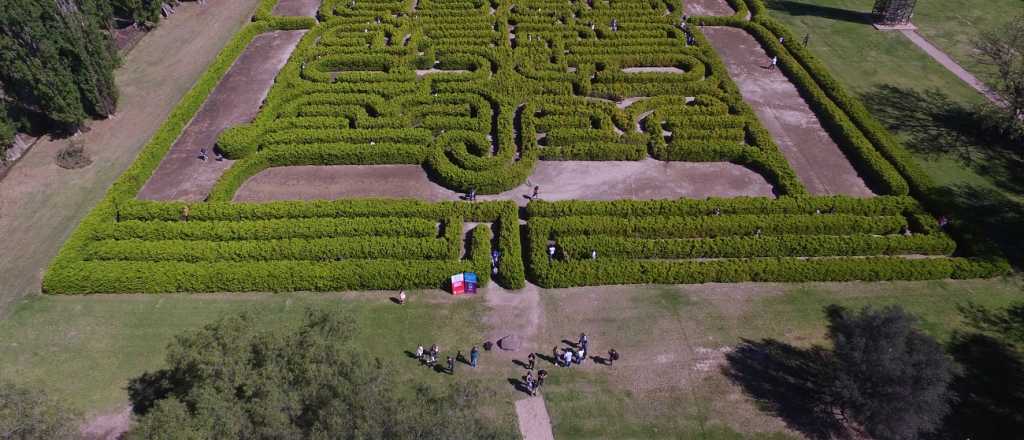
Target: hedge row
316,249
723,226
605,272
576,247
875,206
265,229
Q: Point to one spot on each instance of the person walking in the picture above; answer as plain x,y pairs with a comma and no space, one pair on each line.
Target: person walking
583,341
531,360
536,192
474,356
807,39
451,365
202,155
775,60
401,298
612,356
531,384
551,253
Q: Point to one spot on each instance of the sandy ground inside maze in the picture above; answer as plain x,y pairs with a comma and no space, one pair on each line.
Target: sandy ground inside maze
558,180
296,8
40,203
817,160
235,100
707,7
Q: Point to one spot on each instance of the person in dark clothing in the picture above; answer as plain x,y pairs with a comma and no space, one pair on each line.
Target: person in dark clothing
531,361
612,356
541,375
451,365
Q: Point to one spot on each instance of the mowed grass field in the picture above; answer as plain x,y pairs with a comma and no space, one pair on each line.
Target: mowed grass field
668,384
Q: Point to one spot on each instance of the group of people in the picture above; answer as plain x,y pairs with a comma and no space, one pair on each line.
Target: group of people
429,357
203,156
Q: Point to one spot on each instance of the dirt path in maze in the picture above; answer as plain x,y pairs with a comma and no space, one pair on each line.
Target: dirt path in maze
558,180
818,161
236,100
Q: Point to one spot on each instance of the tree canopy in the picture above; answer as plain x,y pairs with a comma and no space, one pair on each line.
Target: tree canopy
892,379
56,60
235,379
27,414
1002,48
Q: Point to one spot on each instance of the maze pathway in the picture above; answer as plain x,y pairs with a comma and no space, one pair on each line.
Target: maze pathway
559,180
817,160
235,100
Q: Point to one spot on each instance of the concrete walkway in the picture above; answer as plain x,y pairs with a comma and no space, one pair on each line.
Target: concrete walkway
534,422
947,62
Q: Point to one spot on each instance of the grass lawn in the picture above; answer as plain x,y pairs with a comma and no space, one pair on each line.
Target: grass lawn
952,25
83,349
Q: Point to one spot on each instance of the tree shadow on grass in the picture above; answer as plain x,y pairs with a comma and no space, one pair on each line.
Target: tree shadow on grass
790,382
798,9
989,390
983,215
937,126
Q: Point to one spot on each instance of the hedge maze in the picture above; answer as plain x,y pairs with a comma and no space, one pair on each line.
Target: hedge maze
477,92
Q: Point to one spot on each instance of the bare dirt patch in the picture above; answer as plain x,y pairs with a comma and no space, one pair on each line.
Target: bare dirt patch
707,7
41,203
642,180
817,160
296,7
236,100
110,426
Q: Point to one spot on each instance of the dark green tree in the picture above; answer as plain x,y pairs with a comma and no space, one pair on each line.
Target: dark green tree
891,379
57,60
990,389
27,414
233,379
138,11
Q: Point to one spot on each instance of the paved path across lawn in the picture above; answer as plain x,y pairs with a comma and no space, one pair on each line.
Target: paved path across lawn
534,422
817,160
951,65
558,180
235,100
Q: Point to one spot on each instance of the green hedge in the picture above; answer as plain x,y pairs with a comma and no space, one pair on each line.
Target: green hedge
575,247
265,229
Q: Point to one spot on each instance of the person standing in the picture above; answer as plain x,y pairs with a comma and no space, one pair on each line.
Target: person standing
551,253
451,365
807,39
557,355
583,341
541,375
531,385
474,355
419,353
401,298
775,60
567,355
536,192
531,360
612,356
